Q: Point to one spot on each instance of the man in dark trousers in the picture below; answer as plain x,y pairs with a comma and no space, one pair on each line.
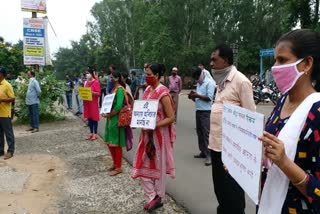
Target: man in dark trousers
235,88
203,99
6,99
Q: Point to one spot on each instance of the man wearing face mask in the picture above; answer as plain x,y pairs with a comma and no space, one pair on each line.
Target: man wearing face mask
203,99
175,87
235,88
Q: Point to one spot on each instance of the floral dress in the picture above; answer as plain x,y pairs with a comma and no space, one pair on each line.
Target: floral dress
307,157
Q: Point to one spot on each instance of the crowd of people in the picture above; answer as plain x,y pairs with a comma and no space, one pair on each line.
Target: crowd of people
291,166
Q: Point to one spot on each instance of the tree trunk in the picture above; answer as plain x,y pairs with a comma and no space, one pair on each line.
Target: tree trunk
316,13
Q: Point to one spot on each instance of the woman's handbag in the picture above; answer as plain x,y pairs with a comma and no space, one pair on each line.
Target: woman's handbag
125,114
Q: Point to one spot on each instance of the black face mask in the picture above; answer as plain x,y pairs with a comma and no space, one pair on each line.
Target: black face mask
174,74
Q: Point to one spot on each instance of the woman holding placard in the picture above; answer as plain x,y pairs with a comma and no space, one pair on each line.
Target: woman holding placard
115,137
154,156
292,138
91,107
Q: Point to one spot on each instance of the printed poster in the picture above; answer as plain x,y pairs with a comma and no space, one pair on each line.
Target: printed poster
241,148
85,93
39,6
144,114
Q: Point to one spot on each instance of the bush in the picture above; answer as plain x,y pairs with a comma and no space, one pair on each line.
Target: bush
52,92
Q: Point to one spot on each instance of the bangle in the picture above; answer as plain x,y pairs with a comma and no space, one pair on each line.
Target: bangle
302,181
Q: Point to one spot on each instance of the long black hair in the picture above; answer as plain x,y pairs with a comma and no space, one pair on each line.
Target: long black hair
305,42
159,69
117,74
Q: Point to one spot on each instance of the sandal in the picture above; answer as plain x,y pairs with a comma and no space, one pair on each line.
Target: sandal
89,137
115,172
94,137
111,168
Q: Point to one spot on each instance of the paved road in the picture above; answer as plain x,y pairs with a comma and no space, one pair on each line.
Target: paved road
193,186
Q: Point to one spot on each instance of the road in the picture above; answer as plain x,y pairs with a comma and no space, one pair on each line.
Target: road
193,187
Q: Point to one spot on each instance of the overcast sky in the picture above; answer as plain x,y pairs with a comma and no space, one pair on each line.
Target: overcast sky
68,18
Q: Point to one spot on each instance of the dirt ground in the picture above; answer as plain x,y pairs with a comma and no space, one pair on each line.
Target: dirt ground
57,171
43,173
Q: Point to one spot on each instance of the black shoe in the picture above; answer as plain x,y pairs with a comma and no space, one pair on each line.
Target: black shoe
1,154
200,156
35,130
207,162
8,155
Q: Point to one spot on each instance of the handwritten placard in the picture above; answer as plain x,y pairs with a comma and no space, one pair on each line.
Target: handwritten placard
241,148
144,114
107,104
85,93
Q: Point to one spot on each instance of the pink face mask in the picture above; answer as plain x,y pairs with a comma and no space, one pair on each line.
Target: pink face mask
286,76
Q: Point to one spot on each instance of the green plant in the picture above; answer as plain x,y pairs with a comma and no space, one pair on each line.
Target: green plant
52,92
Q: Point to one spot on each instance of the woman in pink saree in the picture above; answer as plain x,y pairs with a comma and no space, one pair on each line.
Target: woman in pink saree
154,156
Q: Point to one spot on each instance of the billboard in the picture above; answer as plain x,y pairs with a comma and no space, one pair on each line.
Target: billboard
34,41
38,6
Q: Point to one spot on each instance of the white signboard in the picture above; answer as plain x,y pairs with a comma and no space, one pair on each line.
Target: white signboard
241,149
107,104
38,6
144,114
34,41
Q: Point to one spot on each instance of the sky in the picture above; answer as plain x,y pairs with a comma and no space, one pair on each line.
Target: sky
68,18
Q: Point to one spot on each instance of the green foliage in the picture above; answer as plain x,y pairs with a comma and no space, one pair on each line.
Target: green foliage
51,97
11,56
183,33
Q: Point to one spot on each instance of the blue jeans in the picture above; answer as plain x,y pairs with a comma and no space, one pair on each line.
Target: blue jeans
34,115
69,99
79,103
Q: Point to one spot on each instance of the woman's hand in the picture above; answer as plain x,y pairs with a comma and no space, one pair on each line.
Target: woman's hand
105,115
274,149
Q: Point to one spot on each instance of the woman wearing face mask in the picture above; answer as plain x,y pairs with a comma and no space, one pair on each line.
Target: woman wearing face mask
115,137
292,138
154,156
91,108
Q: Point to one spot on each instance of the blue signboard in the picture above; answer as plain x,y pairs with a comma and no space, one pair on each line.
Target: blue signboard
33,32
267,52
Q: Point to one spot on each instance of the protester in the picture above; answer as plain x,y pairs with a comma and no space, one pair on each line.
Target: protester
32,101
232,87
103,84
126,81
154,156
143,83
291,138
205,72
110,87
115,137
91,108
70,85
78,83
175,87
6,98
14,85
134,85
203,99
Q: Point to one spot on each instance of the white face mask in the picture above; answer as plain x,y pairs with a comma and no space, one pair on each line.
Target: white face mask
88,76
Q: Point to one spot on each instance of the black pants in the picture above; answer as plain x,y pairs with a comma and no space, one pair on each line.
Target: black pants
203,129
6,129
103,93
230,195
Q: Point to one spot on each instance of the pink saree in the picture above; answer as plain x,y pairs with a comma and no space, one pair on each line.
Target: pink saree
162,163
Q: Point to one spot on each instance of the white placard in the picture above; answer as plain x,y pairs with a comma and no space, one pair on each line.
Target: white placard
241,148
144,114
107,104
